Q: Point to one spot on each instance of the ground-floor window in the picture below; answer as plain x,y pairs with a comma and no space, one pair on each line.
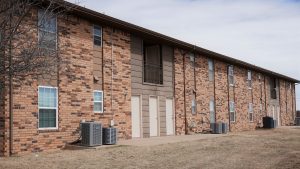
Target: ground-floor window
212,111
250,110
48,111
232,111
98,101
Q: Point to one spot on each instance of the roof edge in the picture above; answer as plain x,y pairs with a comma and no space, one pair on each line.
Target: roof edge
94,15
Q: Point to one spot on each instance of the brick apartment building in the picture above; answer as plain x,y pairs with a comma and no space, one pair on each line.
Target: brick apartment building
146,83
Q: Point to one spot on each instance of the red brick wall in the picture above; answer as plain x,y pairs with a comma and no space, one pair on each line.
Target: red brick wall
75,87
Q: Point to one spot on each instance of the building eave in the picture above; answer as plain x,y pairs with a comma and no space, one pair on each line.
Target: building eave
137,30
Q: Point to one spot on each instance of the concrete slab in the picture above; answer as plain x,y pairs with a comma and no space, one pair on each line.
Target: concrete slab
167,139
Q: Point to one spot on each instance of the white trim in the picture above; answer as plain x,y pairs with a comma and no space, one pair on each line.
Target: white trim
250,111
231,74
98,101
48,128
232,103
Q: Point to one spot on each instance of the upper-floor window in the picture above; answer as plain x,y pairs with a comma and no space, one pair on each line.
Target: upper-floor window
48,109
153,67
232,111
273,88
97,34
250,110
249,79
47,29
210,70
98,101
192,57
230,75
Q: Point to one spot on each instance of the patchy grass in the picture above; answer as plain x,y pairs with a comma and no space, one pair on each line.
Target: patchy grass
279,148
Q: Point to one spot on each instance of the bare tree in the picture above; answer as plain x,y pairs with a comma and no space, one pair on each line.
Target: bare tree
28,43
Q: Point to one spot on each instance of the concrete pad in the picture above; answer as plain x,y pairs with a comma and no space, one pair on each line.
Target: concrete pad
152,141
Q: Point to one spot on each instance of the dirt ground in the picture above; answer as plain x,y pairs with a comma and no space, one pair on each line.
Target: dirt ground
279,148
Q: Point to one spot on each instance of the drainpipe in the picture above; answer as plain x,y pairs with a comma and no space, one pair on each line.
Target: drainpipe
184,95
215,105
10,93
228,90
112,77
265,96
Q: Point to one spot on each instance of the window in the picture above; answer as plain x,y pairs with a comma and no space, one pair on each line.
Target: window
230,75
273,88
153,69
192,57
97,35
249,79
250,110
259,79
48,111
194,104
212,110
98,101
232,111
210,70
47,26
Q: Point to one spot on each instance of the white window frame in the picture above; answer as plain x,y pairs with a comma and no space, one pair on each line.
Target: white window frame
48,128
210,69
249,79
231,75
231,105
212,110
44,30
98,101
250,110
101,32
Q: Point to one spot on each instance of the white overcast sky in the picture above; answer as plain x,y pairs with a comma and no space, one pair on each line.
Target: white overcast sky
265,33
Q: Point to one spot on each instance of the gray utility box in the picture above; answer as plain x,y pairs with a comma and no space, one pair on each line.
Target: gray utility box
216,128
91,134
219,128
224,128
297,121
109,136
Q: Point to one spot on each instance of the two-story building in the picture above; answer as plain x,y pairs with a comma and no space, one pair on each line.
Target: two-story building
144,83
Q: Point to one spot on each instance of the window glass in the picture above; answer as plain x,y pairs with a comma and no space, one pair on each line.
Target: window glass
47,26
47,102
98,101
97,35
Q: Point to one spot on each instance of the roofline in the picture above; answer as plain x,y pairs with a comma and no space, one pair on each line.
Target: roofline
108,20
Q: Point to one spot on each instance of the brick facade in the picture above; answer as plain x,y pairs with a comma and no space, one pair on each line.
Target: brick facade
109,68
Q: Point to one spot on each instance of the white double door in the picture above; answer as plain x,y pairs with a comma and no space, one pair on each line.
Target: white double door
153,116
154,119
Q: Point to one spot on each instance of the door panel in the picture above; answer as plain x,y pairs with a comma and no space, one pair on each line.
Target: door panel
153,111
169,117
136,116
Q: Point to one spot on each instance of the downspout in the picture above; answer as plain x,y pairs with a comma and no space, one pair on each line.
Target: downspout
10,93
174,98
265,96
215,105
228,89
286,101
279,100
184,96
112,78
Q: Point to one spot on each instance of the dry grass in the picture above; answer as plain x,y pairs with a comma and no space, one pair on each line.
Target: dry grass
278,148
